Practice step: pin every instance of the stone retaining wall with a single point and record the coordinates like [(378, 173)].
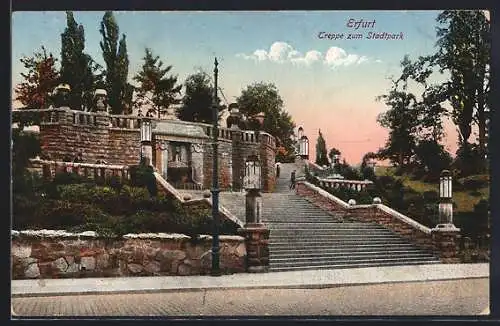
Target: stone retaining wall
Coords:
[(116, 140), (57, 254)]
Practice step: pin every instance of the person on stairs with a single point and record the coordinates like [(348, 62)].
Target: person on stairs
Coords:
[(292, 180), (277, 170)]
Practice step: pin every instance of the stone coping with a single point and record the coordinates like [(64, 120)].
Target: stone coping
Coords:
[(361, 182), (177, 194), (326, 194), (403, 218), (382, 207), (83, 165), (50, 234)]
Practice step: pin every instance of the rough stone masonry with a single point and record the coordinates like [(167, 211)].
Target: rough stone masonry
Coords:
[(59, 254)]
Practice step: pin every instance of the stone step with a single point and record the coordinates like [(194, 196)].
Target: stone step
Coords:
[(327, 226), (336, 237), (292, 220), (346, 246), (335, 227), (334, 243), (278, 257), (328, 223), (349, 265), (346, 250), (344, 261)]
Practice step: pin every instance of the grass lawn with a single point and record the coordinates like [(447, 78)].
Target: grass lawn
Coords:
[(464, 200)]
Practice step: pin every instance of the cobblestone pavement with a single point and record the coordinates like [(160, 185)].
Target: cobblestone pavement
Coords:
[(462, 297)]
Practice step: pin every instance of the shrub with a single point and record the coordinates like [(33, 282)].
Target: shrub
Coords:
[(115, 183), (475, 182), (65, 178), (142, 175), (430, 196)]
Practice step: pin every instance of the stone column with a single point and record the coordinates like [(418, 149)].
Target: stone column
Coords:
[(147, 152), (253, 206), (237, 158), (164, 158), (445, 242), (197, 162), (257, 244)]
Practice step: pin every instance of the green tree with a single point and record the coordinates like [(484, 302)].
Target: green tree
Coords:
[(264, 97), (78, 69), (197, 100), (321, 153), (464, 43), (39, 81), (432, 157), (402, 121), (333, 151), (463, 53), (156, 89), (116, 59)]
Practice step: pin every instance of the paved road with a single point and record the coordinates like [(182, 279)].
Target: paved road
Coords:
[(462, 297)]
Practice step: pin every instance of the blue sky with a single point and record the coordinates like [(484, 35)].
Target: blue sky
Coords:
[(326, 84)]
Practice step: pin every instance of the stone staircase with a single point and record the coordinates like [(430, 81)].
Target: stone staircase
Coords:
[(303, 236)]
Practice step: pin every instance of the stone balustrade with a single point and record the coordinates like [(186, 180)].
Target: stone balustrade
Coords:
[(342, 183), (224, 133), (93, 171), (125, 121), (443, 242), (84, 118), (60, 254)]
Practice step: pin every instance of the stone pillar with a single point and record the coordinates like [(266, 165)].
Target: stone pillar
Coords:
[(253, 206), (445, 240), (164, 158), (147, 152), (257, 245), (237, 159), (197, 162)]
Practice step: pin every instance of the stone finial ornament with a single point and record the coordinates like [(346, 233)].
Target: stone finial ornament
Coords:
[(61, 95), (100, 96)]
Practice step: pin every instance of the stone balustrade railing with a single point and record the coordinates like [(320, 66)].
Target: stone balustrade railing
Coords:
[(94, 171), (224, 133), (85, 118), (342, 183), (125, 121)]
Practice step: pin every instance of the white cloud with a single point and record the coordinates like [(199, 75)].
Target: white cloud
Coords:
[(282, 52), (279, 51), (310, 57), (336, 56)]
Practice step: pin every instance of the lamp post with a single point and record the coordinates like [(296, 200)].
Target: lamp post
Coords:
[(215, 180), (303, 145), (255, 232), (146, 135), (445, 196), (252, 184)]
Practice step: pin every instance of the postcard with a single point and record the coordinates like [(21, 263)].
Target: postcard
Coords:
[(250, 163)]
